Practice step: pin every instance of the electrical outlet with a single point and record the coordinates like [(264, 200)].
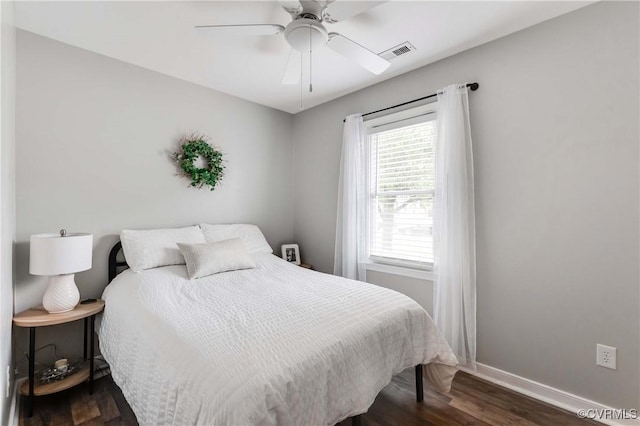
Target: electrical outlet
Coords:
[(606, 356)]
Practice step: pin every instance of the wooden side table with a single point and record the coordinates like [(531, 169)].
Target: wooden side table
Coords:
[(39, 317)]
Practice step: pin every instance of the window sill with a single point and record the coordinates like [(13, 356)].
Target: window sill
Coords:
[(400, 270)]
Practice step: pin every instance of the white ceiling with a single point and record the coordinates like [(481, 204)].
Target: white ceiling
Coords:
[(160, 36)]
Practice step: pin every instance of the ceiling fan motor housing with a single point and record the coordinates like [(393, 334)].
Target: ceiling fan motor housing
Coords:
[(300, 30)]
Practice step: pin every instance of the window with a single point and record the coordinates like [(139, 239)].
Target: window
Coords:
[(401, 174)]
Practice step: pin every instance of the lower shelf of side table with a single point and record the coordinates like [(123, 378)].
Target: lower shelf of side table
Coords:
[(82, 375)]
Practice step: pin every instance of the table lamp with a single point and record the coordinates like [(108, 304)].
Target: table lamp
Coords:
[(60, 256)]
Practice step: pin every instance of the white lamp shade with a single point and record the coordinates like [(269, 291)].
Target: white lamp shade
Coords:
[(51, 254)]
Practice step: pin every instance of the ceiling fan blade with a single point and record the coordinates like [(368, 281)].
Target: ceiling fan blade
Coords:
[(340, 10), (293, 68), (292, 7), (240, 30), (315, 7), (273, 45), (360, 54)]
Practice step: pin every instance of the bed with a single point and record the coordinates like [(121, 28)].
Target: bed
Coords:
[(276, 344)]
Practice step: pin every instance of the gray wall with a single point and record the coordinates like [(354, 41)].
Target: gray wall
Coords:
[(94, 137), (555, 128), (555, 132), (7, 197)]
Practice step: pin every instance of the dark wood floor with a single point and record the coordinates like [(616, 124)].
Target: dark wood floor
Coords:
[(471, 402)]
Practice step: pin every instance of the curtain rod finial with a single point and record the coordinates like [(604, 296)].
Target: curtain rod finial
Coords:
[(474, 86)]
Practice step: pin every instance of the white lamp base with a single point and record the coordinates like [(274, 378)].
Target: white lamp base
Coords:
[(62, 295)]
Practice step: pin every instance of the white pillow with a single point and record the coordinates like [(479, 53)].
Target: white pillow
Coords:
[(250, 235), (157, 247), (212, 258)]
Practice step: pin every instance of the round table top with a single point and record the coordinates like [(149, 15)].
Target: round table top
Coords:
[(39, 317)]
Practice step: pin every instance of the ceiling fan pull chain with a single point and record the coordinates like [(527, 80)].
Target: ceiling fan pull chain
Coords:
[(310, 67), (301, 83)]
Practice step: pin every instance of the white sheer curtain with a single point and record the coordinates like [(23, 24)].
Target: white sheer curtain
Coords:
[(454, 226), (351, 223)]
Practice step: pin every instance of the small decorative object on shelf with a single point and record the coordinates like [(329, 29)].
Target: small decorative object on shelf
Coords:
[(291, 253), (61, 369), (192, 148)]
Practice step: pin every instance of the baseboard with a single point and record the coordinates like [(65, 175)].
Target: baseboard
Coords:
[(14, 411), (545, 393)]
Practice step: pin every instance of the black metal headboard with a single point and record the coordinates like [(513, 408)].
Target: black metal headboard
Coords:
[(114, 263)]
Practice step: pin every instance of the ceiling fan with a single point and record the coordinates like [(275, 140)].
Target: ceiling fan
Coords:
[(307, 32)]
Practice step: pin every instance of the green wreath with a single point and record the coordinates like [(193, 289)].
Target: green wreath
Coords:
[(192, 147)]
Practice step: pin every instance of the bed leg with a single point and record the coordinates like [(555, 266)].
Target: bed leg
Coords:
[(356, 420), (419, 388)]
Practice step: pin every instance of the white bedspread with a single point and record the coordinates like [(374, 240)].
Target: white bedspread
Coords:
[(278, 344)]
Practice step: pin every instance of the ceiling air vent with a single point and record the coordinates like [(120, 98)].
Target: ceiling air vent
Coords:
[(395, 51)]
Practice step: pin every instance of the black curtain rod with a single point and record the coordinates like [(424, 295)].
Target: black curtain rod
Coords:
[(472, 86)]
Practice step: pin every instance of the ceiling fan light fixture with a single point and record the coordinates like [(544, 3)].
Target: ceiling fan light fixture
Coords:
[(299, 31)]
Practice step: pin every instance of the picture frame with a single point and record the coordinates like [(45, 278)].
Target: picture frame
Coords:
[(291, 253)]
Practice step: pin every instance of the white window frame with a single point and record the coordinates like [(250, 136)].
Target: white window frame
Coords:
[(395, 266)]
